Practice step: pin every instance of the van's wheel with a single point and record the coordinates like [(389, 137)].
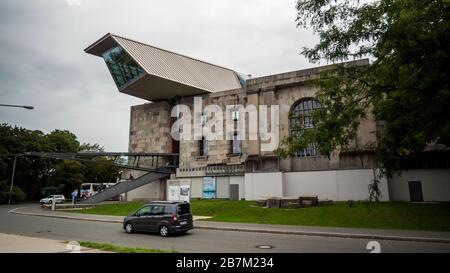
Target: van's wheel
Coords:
[(129, 228), (164, 231)]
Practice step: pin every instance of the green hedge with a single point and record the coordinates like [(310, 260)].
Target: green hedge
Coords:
[(17, 196)]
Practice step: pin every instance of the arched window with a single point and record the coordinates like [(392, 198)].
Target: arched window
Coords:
[(300, 117)]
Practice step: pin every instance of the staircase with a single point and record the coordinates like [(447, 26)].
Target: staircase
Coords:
[(126, 186), (157, 166)]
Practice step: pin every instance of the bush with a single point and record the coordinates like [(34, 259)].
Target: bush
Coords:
[(17, 195), (46, 191)]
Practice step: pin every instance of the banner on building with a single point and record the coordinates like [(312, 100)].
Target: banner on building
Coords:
[(173, 190), (209, 187), (185, 192), (179, 190)]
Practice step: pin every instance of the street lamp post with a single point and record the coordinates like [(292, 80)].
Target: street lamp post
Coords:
[(15, 156), (20, 106), (12, 178)]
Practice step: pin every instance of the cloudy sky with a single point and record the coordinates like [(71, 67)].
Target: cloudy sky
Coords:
[(42, 62)]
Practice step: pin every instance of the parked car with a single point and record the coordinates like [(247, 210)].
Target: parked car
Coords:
[(59, 198), (164, 217)]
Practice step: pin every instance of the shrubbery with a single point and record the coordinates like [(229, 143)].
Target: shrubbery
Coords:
[(17, 195)]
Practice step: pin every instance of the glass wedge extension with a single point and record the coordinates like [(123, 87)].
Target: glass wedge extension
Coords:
[(122, 67)]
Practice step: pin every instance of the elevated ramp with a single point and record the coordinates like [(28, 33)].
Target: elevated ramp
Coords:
[(125, 186)]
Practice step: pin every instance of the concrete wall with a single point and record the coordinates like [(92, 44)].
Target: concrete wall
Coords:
[(223, 187), (239, 180), (196, 187), (435, 184), (150, 192), (263, 185), (334, 185)]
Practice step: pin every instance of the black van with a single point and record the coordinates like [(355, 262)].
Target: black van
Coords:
[(165, 217)]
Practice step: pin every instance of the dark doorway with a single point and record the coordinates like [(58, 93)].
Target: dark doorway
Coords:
[(415, 191), (234, 192), (175, 146)]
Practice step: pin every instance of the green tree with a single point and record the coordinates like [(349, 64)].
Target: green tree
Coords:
[(63, 141), (70, 174), (102, 170), (30, 172), (17, 195), (87, 147), (406, 86), (36, 176)]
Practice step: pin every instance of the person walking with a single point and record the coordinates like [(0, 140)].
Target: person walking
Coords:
[(131, 177), (74, 196)]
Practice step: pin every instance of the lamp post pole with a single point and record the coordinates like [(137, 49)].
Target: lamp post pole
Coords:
[(12, 179), (15, 156)]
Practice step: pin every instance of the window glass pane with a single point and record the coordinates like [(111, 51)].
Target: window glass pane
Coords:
[(236, 144), (157, 210), (203, 119), (300, 118), (144, 211), (168, 210), (184, 209), (122, 67), (203, 146), (235, 115)]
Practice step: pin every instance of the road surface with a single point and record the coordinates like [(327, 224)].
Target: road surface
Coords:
[(199, 240)]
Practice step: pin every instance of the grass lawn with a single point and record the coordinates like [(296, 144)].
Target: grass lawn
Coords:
[(120, 209), (122, 249), (387, 215)]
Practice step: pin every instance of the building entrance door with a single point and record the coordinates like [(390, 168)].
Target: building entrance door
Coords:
[(415, 191), (234, 192)]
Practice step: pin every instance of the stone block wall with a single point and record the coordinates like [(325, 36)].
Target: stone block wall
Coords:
[(150, 128), (218, 150)]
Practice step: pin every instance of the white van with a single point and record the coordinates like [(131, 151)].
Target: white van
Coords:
[(89, 189)]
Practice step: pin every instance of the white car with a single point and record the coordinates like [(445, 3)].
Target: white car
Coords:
[(59, 198)]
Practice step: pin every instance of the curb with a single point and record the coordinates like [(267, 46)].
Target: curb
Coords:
[(257, 230), (335, 235), (13, 211)]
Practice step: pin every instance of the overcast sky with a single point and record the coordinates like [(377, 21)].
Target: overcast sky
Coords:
[(42, 62)]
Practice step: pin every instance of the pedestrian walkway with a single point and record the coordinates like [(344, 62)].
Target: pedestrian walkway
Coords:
[(375, 234), (22, 244)]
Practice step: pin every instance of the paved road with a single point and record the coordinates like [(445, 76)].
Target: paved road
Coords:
[(195, 240)]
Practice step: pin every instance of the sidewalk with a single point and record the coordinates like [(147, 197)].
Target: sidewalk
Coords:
[(22, 244), (371, 234)]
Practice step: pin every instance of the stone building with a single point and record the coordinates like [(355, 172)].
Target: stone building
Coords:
[(242, 167)]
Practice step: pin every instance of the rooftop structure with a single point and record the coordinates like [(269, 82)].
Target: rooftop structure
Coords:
[(154, 74)]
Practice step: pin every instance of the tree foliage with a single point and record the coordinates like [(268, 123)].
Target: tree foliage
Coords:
[(406, 86), (41, 176)]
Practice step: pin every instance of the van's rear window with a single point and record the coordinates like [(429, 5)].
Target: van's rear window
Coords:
[(184, 209)]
